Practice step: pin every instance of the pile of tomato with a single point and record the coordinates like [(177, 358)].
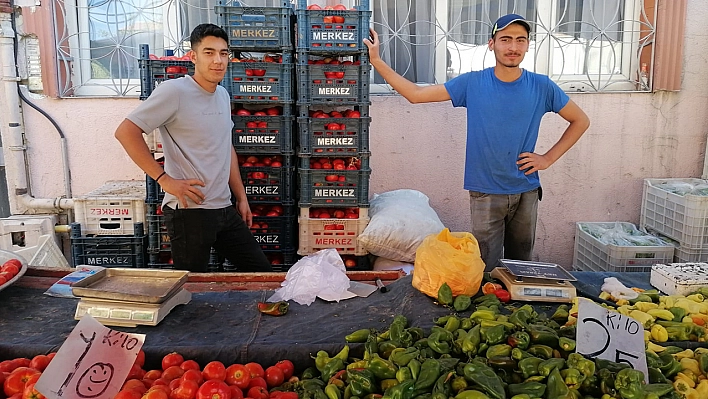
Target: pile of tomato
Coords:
[(18, 376), (9, 270)]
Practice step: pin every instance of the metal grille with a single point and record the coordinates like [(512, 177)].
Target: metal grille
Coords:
[(584, 45)]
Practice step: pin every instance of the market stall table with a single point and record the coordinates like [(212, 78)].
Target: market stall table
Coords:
[(226, 326)]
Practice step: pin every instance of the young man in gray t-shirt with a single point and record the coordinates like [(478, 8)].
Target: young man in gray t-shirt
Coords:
[(201, 167)]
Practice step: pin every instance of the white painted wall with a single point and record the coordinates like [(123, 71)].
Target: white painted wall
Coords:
[(632, 137)]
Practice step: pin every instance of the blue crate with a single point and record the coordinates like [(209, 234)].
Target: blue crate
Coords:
[(318, 137), (269, 185), (257, 28), (109, 251), (274, 136), (335, 85), (267, 82), (317, 31)]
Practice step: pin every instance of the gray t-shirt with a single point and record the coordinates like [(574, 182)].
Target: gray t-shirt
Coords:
[(195, 127)]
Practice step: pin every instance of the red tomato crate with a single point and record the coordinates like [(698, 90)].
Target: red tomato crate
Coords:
[(341, 234), (333, 136), (335, 84), (332, 31), (280, 260), (263, 134), (154, 72), (330, 187), (277, 231), (163, 260), (158, 239), (268, 185), (258, 28), (260, 82)]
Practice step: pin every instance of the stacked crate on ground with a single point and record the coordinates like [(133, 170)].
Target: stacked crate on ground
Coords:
[(332, 31), (595, 250), (157, 69), (268, 25), (112, 209), (333, 79), (109, 250), (339, 228), (678, 209)]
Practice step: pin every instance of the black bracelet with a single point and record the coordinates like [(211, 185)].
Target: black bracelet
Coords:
[(158, 177)]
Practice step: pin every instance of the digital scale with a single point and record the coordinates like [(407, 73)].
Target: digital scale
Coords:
[(535, 281), (130, 297)]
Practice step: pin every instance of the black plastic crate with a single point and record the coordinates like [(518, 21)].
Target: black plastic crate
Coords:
[(280, 260), (306, 109), (257, 28), (265, 184), (153, 191), (260, 82), (333, 136), (333, 31), (358, 263), (275, 232), (109, 251), (264, 134), (163, 260), (348, 188), (154, 72), (333, 84), (158, 239)]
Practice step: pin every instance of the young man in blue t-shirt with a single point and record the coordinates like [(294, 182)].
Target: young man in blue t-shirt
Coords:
[(505, 105)]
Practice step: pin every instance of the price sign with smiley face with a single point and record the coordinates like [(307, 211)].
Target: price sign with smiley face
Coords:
[(92, 363)]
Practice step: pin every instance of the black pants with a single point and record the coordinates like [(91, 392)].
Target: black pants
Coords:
[(193, 232)]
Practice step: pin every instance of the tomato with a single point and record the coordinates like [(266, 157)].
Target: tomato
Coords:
[(15, 262), (39, 362), (236, 392), (214, 389), (350, 263), (489, 287), (128, 394), (340, 7), (140, 359), (354, 114), (11, 268), (156, 394), (21, 362), (16, 381), (136, 372), (29, 392), (238, 375), (7, 366), (338, 19), (186, 390), (287, 367), (172, 373), (503, 295), (153, 374), (258, 393), (243, 112), (135, 385), (174, 384), (172, 359), (214, 371), (257, 382), (164, 388), (274, 376), (314, 7), (173, 69), (194, 375)]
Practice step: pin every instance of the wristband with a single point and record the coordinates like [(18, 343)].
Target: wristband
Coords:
[(158, 177)]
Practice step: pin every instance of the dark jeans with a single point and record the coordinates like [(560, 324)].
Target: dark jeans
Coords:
[(504, 225), (193, 232)]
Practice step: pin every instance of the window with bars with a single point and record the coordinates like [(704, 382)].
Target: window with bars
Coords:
[(583, 45)]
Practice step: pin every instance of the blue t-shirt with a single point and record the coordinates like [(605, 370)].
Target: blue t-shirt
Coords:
[(503, 119)]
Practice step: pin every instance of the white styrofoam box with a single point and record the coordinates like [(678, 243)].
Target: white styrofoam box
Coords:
[(591, 254), (46, 254), (679, 278), (25, 232), (683, 218), (112, 209)]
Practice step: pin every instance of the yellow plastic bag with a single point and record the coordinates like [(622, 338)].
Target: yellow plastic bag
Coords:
[(451, 258)]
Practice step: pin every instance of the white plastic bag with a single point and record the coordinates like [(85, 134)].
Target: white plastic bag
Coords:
[(400, 220), (618, 290), (320, 274)]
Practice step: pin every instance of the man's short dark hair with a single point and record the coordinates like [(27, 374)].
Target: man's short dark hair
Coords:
[(203, 30)]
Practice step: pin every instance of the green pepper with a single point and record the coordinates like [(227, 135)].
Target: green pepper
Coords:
[(542, 351), (542, 335), (653, 360), (566, 344), (640, 298), (656, 377), (591, 386), (311, 384), (421, 343), (577, 361), (343, 354), (521, 396), (679, 313), (607, 381), (386, 348), (572, 378), (533, 389), (703, 362), (529, 366), (361, 381), (403, 390), (488, 298), (429, 374), (401, 357), (485, 378), (321, 360), (439, 340), (482, 349), (466, 323), (416, 333), (471, 394), (629, 383), (447, 363), (658, 389), (310, 372), (427, 353), (443, 385), (672, 350), (471, 341), (609, 365), (561, 314), (445, 295), (403, 374), (493, 335), (521, 316), (668, 363), (674, 368), (440, 321), (546, 367), (518, 354), (389, 383), (371, 346), (556, 388), (458, 384), (519, 339), (508, 327), (482, 314), (453, 323), (679, 333), (332, 367), (332, 392), (382, 368), (398, 331), (567, 331), (358, 336), (502, 362), (414, 366), (498, 350), (462, 303)]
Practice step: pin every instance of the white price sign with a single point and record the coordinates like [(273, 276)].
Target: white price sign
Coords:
[(92, 363), (611, 336)]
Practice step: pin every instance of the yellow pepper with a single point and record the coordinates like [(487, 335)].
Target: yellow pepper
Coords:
[(682, 378), (702, 388), (624, 310), (689, 305), (685, 353), (605, 295), (692, 394), (622, 302), (691, 364), (704, 307), (644, 318), (700, 351), (654, 347), (646, 306), (660, 314), (696, 298), (647, 337), (659, 333), (681, 386)]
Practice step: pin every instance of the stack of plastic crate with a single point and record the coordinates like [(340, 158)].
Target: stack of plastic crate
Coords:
[(260, 82), (677, 209), (333, 119)]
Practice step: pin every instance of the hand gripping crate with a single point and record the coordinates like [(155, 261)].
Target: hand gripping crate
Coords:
[(257, 28), (591, 254), (342, 234), (112, 209), (683, 218), (332, 31), (109, 251), (260, 82), (333, 84)]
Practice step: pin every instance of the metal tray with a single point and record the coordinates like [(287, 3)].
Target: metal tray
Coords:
[(540, 270), (131, 285)]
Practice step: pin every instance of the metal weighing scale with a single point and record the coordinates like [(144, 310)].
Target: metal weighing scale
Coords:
[(131, 297), (535, 281)]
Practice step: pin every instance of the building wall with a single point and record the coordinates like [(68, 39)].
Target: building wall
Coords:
[(632, 137)]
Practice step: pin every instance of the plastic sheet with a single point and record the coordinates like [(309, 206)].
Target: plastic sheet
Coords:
[(622, 234)]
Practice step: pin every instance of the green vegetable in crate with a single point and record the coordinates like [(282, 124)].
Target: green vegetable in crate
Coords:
[(502, 362), (445, 295), (414, 365), (607, 381), (471, 341), (658, 389), (629, 383), (462, 303), (542, 335), (466, 323), (321, 360), (483, 314), (382, 368), (577, 361), (556, 388), (440, 339), (521, 316), (529, 366), (453, 323), (429, 374), (401, 357), (518, 354), (679, 313), (386, 348), (358, 336), (485, 378), (519, 339), (487, 300), (416, 333), (656, 376), (533, 389), (546, 367), (361, 381), (447, 363), (613, 367), (508, 327)]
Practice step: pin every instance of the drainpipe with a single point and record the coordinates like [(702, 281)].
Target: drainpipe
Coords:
[(12, 130)]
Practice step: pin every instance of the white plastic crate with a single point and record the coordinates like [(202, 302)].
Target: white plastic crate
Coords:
[(112, 209), (679, 278), (19, 232), (592, 254), (683, 218), (687, 255), (46, 254), (341, 234)]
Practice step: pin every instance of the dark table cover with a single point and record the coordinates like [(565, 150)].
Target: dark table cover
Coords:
[(226, 326)]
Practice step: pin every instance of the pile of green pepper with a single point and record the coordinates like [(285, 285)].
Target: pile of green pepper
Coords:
[(523, 355)]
